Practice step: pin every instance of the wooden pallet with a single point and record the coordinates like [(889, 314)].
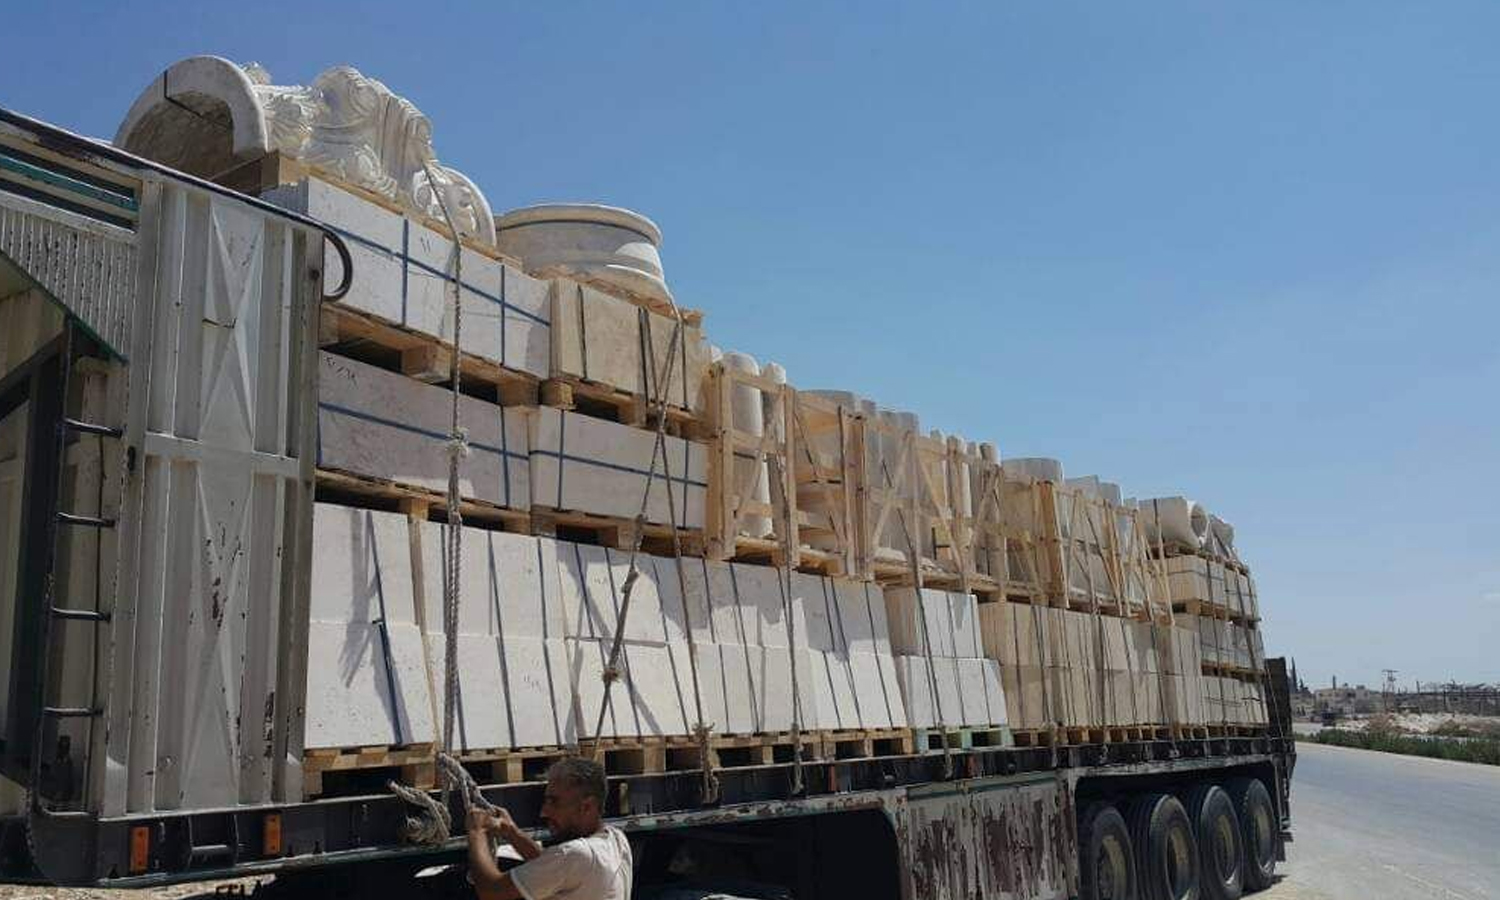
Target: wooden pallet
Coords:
[(1230, 670), (1033, 737), (1073, 736), (345, 770), (1212, 611), (1175, 549), (768, 551), (613, 532), (1125, 734), (930, 740), (865, 743), (362, 491), (367, 338), (602, 401)]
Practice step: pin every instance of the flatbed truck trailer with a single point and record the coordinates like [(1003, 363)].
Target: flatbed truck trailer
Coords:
[(151, 738)]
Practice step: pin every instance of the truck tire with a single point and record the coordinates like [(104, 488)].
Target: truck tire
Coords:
[(1106, 860), (1260, 831), (1166, 849), (1221, 859)]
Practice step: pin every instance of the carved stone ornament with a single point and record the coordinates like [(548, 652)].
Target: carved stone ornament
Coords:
[(207, 116)]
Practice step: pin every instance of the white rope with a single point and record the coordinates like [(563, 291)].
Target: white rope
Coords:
[(702, 731), (434, 825), (611, 673), (916, 576)]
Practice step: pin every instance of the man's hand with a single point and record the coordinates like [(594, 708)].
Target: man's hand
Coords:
[(502, 825), (497, 822), (481, 821)]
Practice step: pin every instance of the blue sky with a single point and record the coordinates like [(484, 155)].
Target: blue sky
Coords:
[(1245, 252)]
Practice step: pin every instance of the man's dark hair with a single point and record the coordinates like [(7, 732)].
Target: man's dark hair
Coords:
[(583, 774)]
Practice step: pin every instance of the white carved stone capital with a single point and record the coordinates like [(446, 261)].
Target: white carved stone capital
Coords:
[(206, 115)]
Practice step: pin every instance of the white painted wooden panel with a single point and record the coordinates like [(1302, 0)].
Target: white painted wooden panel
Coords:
[(583, 464), (385, 425), (193, 711)]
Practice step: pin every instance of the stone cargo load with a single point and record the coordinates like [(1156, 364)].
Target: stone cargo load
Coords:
[(668, 553)]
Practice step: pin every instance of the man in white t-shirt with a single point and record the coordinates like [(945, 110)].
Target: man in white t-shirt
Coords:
[(592, 862)]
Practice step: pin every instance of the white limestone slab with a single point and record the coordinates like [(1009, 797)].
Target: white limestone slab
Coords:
[(645, 620), (366, 685), (712, 684), (833, 690), (525, 332), (583, 464), (773, 697), (952, 621), (506, 314), (726, 624), (362, 570), (587, 591), (758, 591), (697, 602), (852, 606), (740, 706), (871, 691), (366, 682), (403, 273), (385, 425), (540, 692), (813, 594), (586, 659), (660, 689), (1027, 695), (373, 235), (604, 339), (482, 707), (981, 692), (912, 672)]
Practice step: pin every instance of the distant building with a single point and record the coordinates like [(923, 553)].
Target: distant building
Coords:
[(1347, 700)]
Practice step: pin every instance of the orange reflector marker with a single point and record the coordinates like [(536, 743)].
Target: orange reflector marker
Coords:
[(140, 849), (270, 835)]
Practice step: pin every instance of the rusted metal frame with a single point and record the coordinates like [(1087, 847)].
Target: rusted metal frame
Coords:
[(364, 828)]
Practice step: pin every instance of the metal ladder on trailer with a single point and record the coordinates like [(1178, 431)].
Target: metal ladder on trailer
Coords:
[(66, 427)]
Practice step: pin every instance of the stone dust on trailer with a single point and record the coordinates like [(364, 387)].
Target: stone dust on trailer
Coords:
[(341, 505)]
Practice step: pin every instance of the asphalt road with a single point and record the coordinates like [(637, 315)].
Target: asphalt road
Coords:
[(1376, 826)]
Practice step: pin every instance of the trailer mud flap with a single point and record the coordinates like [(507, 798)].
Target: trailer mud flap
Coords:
[(994, 838)]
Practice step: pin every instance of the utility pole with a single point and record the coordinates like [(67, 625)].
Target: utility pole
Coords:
[(1390, 687)]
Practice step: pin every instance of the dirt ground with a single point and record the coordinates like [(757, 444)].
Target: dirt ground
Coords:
[(227, 889)]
